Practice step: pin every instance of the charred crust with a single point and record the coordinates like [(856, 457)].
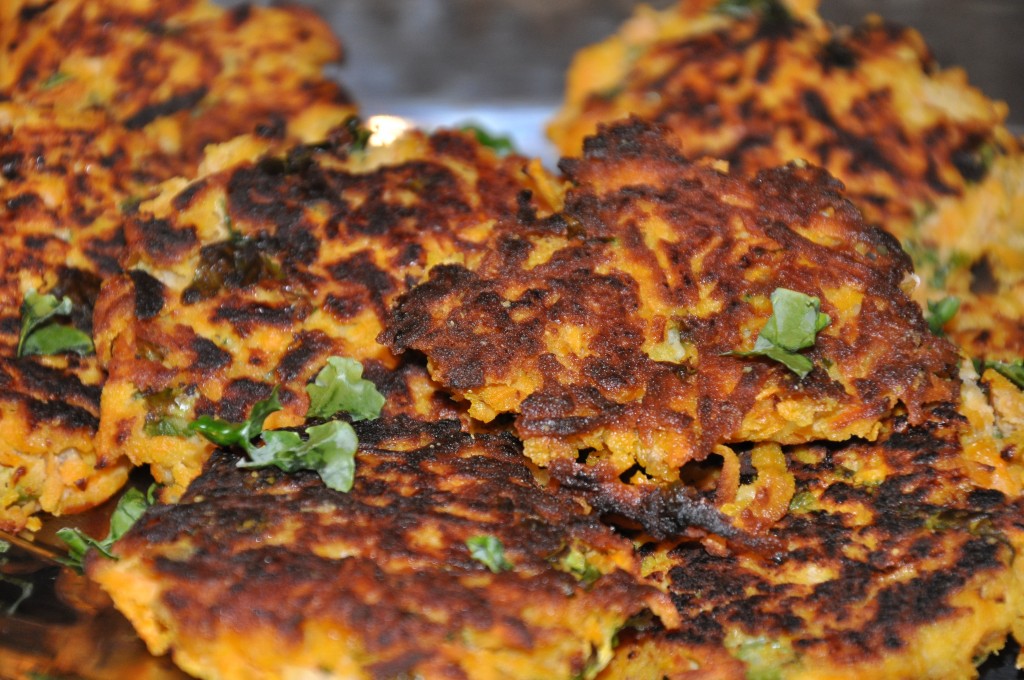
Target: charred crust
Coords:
[(82, 288), (298, 360), (182, 101), (452, 485), (149, 294), (208, 356), (239, 396), (161, 240)]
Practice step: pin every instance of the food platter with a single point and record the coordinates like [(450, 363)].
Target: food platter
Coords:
[(66, 628)]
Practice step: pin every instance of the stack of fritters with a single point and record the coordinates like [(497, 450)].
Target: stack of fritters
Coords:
[(574, 371), (102, 101), (248, 278), (260, 574), (760, 84), (813, 557)]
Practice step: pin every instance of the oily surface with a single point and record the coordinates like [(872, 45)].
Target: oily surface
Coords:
[(378, 582)]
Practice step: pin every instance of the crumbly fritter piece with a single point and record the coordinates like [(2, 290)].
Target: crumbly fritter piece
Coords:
[(260, 574), (252, 275), (892, 562), (920, 151), (64, 178), (607, 329), (184, 73)]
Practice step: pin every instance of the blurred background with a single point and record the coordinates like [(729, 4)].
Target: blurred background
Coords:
[(504, 60)]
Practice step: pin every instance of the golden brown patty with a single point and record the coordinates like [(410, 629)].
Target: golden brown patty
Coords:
[(919, 150), (890, 563), (96, 112), (185, 74), (260, 574), (607, 329), (252, 275)]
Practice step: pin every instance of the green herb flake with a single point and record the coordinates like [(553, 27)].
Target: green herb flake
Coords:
[(358, 134), (327, 449), (940, 312), (488, 551), (224, 433), (340, 386), (1011, 370), (803, 502), (794, 324), (40, 335), (500, 144), (770, 10), (130, 204), (575, 563), (56, 78), (129, 509)]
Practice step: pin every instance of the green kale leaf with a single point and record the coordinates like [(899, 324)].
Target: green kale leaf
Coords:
[(794, 324)]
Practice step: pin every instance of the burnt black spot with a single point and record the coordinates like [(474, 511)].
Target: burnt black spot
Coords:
[(62, 413), (149, 294), (361, 269), (837, 54), (82, 288), (245, 316), (208, 356), (54, 385), (174, 104), (185, 197), (10, 164), (817, 108), (23, 200), (309, 346), (239, 396), (161, 240), (983, 278), (30, 12)]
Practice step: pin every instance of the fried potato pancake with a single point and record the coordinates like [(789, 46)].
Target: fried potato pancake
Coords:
[(92, 120), (184, 73), (265, 575), (919, 150), (252, 275), (610, 329), (892, 562)]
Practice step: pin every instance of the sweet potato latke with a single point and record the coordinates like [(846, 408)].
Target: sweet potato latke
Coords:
[(250, 276), (759, 84), (259, 574), (101, 102), (893, 564), (612, 328)]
